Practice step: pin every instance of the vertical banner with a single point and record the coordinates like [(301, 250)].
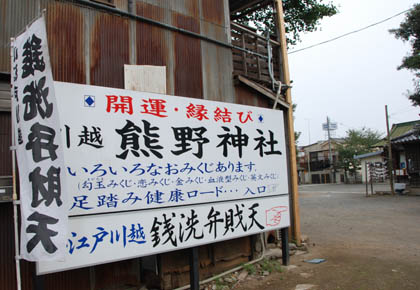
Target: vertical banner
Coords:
[(39, 147)]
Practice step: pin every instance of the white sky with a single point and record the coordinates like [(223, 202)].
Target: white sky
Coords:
[(353, 78)]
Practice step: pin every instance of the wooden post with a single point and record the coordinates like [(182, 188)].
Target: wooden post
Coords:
[(244, 53), (291, 131), (371, 185), (390, 165)]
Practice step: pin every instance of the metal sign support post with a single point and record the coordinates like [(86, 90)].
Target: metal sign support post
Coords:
[(285, 246), (16, 202), (194, 264)]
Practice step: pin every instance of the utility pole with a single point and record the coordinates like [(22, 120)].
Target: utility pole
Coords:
[(390, 165), (329, 150), (293, 167)]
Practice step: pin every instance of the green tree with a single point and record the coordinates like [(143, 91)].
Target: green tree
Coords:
[(299, 16), (409, 30), (356, 142)]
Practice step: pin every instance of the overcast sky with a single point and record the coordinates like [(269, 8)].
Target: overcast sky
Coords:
[(353, 78)]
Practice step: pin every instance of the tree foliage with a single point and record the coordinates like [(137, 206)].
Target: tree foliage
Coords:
[(409, 30), (355, 143), (299, 16)]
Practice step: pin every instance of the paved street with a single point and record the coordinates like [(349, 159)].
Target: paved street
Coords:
[(368, 243)]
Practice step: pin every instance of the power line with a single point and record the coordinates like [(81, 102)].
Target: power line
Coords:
[(352, 32)]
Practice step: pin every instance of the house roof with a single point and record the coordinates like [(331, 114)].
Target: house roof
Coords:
[(398, 130), (333, 141)]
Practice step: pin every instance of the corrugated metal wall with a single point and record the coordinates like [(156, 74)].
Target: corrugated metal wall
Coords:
[(5, 143)]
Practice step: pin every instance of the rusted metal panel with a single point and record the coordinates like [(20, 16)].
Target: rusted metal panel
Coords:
[(7, 254), (68, 280), (5, 143), (188, 74), (185, 7), (245, 95), (17, 14), (118, 274), (65, 28), (109, 49), (151, 42), (121, 4), (217, 73), (212, 11)]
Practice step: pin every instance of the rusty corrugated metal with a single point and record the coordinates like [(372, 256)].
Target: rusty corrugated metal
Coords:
[(68, 280), (118, 274), (121, 4), (65, 29), (185, 7), (7, 254), (151, 44), (18, 14), (5, 143), (109, 49), (211, 11), (187, 74)]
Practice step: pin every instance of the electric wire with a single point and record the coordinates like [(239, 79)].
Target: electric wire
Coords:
[(351, 32)]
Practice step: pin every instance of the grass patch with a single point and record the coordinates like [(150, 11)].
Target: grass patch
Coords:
[(271, 266), (250, 268)]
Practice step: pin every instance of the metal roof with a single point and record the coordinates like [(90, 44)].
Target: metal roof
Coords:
[(370, 154), (411, 136), (398, 130)]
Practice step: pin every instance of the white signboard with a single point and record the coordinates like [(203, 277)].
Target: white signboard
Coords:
[(149, 173), (127, 150), (333, 126), (124, 235), (39, 149)]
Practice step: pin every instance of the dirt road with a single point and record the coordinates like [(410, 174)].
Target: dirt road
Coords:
[(368, 243)]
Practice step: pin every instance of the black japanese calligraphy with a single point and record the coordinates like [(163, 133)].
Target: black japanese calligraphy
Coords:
[(48, 193), (42, 233), (41, 138), (263, 142), (32, 56), (35, 100), (184, 135), (238, 140), (92, 138)]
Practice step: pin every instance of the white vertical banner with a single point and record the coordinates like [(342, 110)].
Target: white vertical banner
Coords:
[(39, 148)]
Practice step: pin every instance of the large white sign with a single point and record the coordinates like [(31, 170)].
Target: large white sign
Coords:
[(108, 238), (39, 149), (149, 173), (127, 150)]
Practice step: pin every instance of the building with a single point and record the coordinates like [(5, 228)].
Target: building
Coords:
[(315, 165), (406, 148), (369, 159), (206, 56), (405, 155)]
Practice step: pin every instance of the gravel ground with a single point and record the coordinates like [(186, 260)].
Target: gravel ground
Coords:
[(368, 242)]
